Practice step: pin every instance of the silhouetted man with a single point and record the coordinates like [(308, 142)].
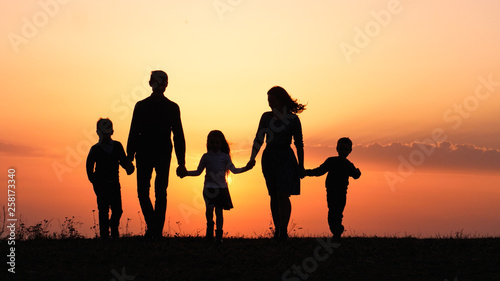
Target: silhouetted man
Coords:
[(149, 140)]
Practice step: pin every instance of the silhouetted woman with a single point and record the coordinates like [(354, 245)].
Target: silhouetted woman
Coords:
[(281, 170)]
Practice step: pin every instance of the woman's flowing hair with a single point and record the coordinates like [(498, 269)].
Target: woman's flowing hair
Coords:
[(292, 105)]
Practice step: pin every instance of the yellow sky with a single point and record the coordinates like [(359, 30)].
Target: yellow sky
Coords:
[(383, 71)]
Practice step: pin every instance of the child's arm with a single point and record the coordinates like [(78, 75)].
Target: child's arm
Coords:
[(234, 170), (355, 172), (197, 172), (317, 172), (125, 162)]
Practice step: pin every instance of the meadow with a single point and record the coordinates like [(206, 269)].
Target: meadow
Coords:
[(66, 255)]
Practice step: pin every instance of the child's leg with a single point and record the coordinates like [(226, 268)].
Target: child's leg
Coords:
[(116, 211), (219, 221), (336, 205), (103, 210), (209, 214)]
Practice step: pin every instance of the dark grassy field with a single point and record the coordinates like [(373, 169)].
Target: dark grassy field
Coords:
[(186, 258)]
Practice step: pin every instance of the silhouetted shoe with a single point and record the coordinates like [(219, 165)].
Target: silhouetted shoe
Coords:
[(104, 235), (336, 241), (114, 232), (218, 236), (276, 236), (149, 234), (283, 237), (210, 231)]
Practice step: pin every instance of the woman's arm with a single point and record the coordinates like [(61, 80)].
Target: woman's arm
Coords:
[(259, 139), (299, 145)]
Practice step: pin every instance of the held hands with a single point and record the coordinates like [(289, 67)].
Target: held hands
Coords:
[(250, 164), (130, 168), (181, 171), (302, 172)]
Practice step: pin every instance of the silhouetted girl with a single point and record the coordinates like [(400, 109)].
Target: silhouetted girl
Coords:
[(279, 165), (218, 163)]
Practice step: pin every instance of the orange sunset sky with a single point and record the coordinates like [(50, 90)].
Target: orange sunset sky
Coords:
[(414, 84)]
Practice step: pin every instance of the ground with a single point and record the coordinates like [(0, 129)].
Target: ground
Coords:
[(193, 258)]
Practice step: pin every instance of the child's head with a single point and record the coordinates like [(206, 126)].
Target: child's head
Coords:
[(216, 141), (344, 147), (104, 128)]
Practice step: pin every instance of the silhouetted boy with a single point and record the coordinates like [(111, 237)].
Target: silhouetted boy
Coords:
[(339, 170), (102, 171)]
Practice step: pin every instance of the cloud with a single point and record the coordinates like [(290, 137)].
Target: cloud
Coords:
[(441, 156), (20, 150)]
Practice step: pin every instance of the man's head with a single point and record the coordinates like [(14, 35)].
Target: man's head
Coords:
[(158, 81)]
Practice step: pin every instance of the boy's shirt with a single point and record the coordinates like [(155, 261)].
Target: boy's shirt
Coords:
[(339, 170), (106, 157)]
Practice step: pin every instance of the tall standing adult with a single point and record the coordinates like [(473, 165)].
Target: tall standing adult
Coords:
[(154, 120), (282, 170)]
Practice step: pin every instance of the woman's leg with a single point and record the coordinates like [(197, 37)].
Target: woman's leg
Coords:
[(281, 209), (275, 213), (285, 212)]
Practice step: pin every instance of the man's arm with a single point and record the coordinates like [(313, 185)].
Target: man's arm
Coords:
[(125, 162), (90, 165), (133, 135), (179, 141)]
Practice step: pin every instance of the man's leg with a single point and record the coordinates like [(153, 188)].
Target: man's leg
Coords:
[(144, 171), (162, 169)]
